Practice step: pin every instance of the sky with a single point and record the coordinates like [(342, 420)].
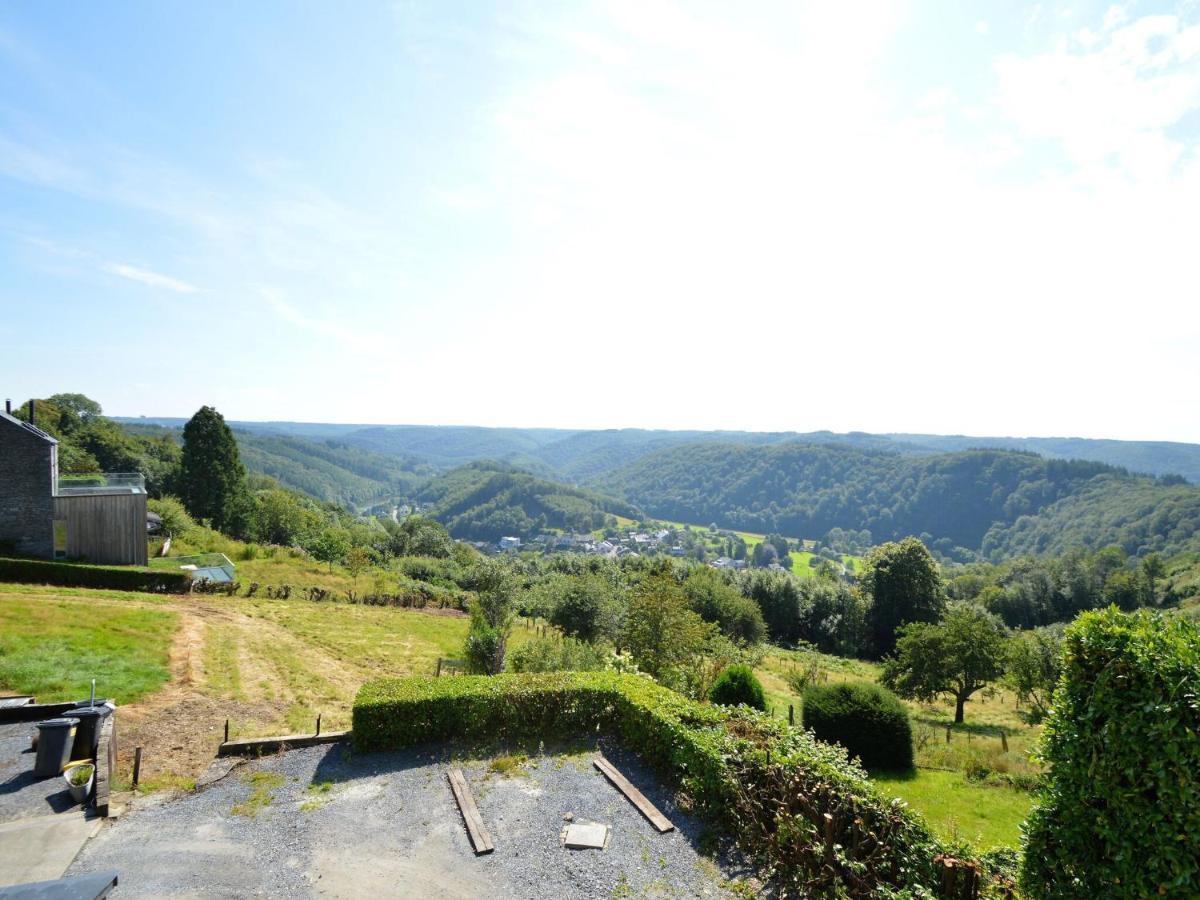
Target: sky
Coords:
[(967, 218)]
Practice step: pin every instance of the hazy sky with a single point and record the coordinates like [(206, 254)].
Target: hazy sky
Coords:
[(976, 218)]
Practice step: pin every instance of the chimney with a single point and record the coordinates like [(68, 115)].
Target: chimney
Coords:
[(8, 407), (31, 422)]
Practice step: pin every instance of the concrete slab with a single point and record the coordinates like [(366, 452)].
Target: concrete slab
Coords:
[(41, 849), (585, 836)]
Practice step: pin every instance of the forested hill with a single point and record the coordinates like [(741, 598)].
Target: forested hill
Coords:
[(581, 456), (487, 501), (998, 501), (324, 468)]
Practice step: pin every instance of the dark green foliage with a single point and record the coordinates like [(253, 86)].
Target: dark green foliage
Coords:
[(554, 654), (487, 501), (737, 684), (587, 607), (904, 583), (212, 480), (330, 470), (1138, 514), (1120, 803), (770, 785), (118, 578), (866, 719), (419, 536), (718, 600)]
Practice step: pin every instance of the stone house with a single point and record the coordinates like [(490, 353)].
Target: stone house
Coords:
[(100, 518)]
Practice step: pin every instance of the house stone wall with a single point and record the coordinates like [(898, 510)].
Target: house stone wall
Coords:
[(27, 465)]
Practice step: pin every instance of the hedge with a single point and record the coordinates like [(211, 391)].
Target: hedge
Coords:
[(119, 578), (817, 824), (1120, 802), (869, 721)]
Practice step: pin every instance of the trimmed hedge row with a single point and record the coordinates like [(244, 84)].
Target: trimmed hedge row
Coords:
[(118, 578), (816, 822), (1120, 800), (868, 720)]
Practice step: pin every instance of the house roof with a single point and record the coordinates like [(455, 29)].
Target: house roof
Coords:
[(32, 429)]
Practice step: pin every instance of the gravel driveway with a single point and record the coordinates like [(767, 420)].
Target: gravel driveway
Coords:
[(322, 822)]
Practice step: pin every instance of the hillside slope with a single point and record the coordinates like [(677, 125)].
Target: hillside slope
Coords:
[(954, 498), (486, 501)]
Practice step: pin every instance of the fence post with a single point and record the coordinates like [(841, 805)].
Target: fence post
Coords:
[(137, 766), (439, 671), (791, 714), (318, 723), (947, 734), (226, 731), (1004, 741)]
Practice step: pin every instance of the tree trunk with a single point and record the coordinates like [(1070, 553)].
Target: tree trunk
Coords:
[(958, 709)]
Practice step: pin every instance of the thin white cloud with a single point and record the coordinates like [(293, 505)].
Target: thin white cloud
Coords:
[(1109, 98), (151, 279)]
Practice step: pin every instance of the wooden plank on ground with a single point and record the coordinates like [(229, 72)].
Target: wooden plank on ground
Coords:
[(636, 797), (480, 839)]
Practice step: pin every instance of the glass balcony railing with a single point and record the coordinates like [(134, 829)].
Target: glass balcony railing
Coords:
[(101, 483)]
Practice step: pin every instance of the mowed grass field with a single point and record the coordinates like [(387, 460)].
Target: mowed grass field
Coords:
[(271, 666), (52, 646)]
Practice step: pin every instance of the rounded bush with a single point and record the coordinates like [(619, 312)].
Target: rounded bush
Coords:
[(866, 719), (737, 684)]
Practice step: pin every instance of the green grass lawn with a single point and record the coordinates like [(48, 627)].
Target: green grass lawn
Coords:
[(53, 648), (985, 816)]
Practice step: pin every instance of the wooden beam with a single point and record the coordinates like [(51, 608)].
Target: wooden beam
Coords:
[(636, 797), (480, 839), (259, 746)]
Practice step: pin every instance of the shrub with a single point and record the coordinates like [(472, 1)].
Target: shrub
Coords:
[(1120, 802), (118, 578), (551, 654), (770, 784), (735, 685), (866, 719)]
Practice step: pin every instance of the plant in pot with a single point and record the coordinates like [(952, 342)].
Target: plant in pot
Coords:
[(79, 780)]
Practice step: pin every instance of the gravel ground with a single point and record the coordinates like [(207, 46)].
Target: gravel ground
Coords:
[(322, 822), (21, 795)]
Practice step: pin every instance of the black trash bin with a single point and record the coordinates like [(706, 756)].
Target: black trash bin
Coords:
[(55, 739), (87, 735)]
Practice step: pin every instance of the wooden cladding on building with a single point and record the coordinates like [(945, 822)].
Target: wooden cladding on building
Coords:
[(105, 528)]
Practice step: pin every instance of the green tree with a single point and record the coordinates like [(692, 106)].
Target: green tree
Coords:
[(492, 613), (282, 517), (175, 519), (1153, 571), (662, 631), (905, 585), (716, 600), (420, 536), (358, 560), (330, 546), (587, 608), (957, 656), (1032, 666), (1123, 590), (212, 479)]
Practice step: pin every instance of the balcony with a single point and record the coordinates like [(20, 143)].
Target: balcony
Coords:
[(94, 483)]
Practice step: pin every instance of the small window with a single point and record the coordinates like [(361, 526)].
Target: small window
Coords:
[(60, 538)]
